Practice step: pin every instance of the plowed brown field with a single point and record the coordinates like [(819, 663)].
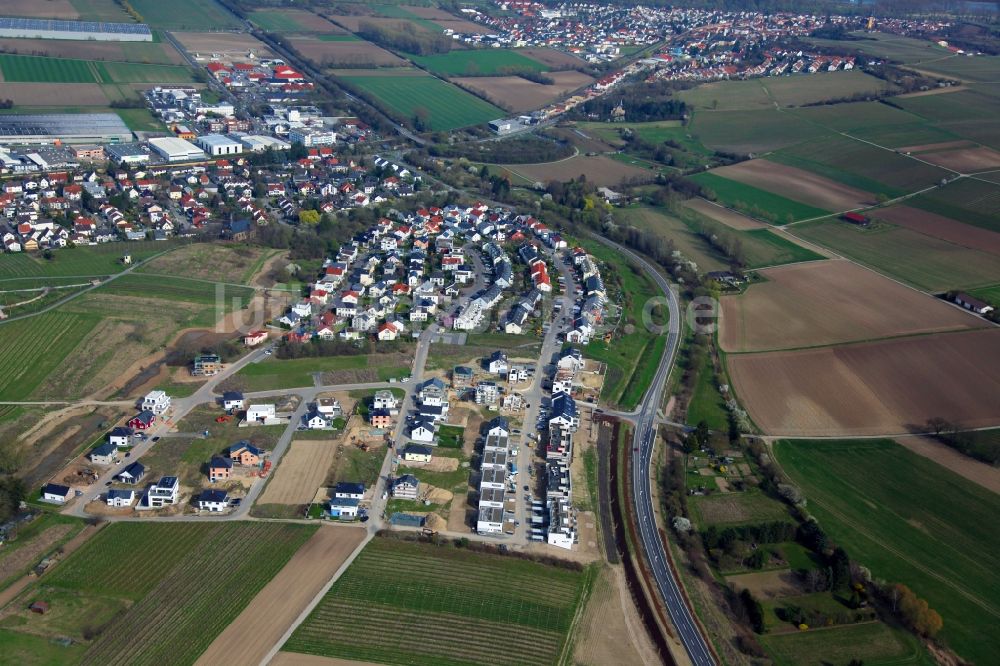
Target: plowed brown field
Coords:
[(262, 624), (941, 227), (53, 9), (965, 160), (552, 57), (830, 302), (873, 388), (345, 54), (520, 94), (798, 184), (300, 473), (54, 94)]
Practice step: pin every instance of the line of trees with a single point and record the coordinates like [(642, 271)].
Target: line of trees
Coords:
[(401, 36)]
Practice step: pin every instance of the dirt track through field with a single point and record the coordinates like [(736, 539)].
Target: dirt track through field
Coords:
[(878, 388), (301, 472), (798, 184), (256, 630), (937, 226), (610, 631), (979, 473), (830, 302)]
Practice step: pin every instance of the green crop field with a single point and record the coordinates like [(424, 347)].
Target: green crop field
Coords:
[(177, 289), (707, 403), (420, 604), (922, 261), (476, 62), (39, 69), (893, 47), (36, 69), (291, 373), (741, 196), (181, 583), (765, 93), (338, 38), (871, 643), (750, 506), (90, 261), (100, 10), (685, 239), (876, 122), (969, 200), (755, 131), (860, 165), (185, 15), (989, 294), (23, 366), (911, 521), (400, 12), (444, 106)]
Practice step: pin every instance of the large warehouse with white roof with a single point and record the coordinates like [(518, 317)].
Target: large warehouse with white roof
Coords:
[(63, 127), (173, 149), (31, 28)]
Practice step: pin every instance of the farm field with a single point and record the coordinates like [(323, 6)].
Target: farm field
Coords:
[(796, 184), (758, 202), (728, 217), (968, 113), (345, 53), (59, 332), (209, 571), (552, 57), (54, 9), (877, 122), (291, 373), (872, 388), (691, 245), (249, 638), (830, 302), (90, 261), (707, 403), (909, 521), (162, 53), (989, 294), (456, 606), (302, 470), (872, 643), (972, 201), (177, 289), (292, 20), (915, 258), (752, 131), (97, 10), (92, 97), (185, 15), (894, 47), (442, 19), (36, 69), (209, 261), (751, 506), (940, 227), (445, 106), (600, 170), (860, 165), (967, 158), (520, 94), (475, 62), (764, 93), (760, 247)]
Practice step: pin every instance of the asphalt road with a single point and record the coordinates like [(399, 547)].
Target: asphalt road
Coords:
[(642, 497)]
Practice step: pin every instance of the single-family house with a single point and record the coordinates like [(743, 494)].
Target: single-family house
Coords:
[(461, 376), (244, 453), (254, 338), (232, 401), (142, 421), (385, 400), (214, 500), (220, 469), (261, 414), (55, 493), (344, 508), (346, 489), (119, 498), (164, 492), (329, 407), (132, 474), (120, 437), (497, 363), (316, 421), (104, 454), (417, 453), (156, 401), (422, 430), (405, 487), (380, 418)]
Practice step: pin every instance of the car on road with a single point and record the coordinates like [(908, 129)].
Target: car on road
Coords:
[(527, 488), (267, 352), (156, 439), (107, 483)]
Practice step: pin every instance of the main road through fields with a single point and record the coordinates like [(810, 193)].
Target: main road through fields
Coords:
[(642, 497)]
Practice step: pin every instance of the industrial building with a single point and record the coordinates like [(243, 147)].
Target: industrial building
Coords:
[(64, 127), (505, 126), (31, 28), (173, 149), (217, 144), (311, 137), (258, 143), (127, 153)]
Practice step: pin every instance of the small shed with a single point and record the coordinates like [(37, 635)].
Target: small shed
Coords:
[(40, 607)]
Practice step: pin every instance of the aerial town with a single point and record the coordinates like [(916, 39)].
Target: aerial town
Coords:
[(499, 332)]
